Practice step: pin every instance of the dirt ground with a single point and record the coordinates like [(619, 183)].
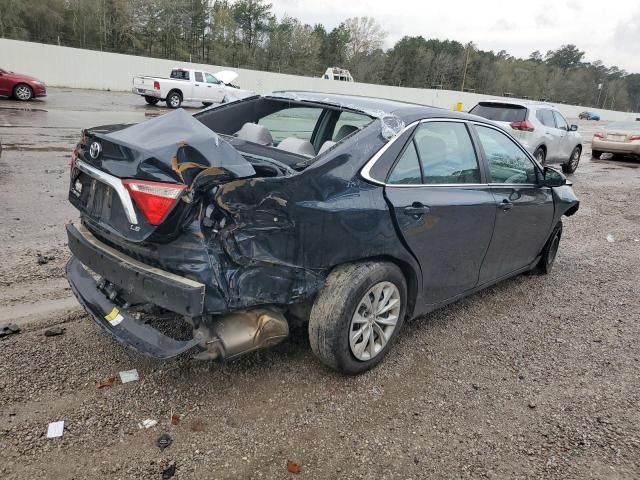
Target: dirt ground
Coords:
[(537, 377)]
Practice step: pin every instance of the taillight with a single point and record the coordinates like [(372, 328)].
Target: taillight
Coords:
[(634, 137), (73, 161), (599, 134), (154, 199), (156, 85), (525, 126)]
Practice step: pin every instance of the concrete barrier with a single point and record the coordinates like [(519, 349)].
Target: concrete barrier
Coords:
[(78, 68)]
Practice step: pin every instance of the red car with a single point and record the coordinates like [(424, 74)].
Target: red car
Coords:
[(20, 87)]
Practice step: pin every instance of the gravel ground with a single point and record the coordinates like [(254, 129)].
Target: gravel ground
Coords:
[(536, 377)]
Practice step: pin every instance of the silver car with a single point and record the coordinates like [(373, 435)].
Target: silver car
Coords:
[(539, 127)]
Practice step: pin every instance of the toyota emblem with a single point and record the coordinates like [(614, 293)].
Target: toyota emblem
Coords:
[(95, 150)]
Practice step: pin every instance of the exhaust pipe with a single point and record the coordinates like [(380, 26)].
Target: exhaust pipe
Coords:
[(235, 334)]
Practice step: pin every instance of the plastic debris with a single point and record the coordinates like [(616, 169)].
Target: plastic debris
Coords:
[(43, 259), (147, 423), (56, 429), (107, 382), (170, 471), (293, 467), (610, 238), (54, 331), (164, 441), (129, 376), (175, 419), (10, 329)]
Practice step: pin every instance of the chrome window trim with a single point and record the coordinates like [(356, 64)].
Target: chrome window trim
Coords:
[(366, 170), (116, 184)]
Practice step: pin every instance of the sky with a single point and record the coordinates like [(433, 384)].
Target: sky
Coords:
[(607, 30)]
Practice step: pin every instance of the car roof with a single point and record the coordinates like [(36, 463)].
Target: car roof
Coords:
[(373, 106)]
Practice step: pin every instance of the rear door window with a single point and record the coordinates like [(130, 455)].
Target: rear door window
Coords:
[(446, 153), (546, 118), (198, 76), (180, 74), (500, 112), (407, 169)]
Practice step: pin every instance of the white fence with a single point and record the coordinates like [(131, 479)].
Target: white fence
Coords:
[(77, 68)]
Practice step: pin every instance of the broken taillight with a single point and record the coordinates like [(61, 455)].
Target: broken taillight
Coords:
[(154, 199)]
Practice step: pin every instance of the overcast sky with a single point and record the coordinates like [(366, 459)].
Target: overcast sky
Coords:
[(608, 30)]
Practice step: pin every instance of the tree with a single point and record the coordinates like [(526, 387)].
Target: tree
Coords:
[(252, 17), (536, 57), (365, 36), (565, 57)]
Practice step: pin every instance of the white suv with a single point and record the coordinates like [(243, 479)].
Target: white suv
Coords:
[(539, 127)]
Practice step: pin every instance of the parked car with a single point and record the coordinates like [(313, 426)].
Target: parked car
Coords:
[(617, 137), (359, 214), (539, 127), (21, 87), (339, 74), (589, 116), (185, 84)]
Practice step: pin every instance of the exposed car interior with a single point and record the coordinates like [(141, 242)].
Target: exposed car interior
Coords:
[(303, 129)]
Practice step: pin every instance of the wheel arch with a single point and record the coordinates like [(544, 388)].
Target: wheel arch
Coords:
[(175, 90), (410, 276)]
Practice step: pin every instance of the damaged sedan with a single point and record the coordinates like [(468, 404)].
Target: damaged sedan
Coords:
[(212, 233)]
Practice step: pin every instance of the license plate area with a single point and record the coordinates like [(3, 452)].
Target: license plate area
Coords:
[(91, 196), (616, 138)]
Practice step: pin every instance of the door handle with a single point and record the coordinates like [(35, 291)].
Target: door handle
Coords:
[(416, 209), (506, 205)]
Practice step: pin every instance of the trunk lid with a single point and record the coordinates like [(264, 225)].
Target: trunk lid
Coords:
[(172, 153)]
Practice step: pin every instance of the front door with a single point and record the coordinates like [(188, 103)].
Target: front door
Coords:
[(524, 208), (442, 207), (215, 89), (565, 143)]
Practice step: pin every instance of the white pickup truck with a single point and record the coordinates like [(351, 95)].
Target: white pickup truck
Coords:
[(186, 84)]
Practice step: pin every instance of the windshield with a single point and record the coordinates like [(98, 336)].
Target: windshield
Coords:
[(624, 126)]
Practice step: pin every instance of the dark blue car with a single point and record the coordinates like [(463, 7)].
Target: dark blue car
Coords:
[(589, 116), (352, 214)]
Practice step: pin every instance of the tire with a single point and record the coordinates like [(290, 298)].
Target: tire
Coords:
[(207, 104), (596, 153), (22, 92), (549, 252), (174, 100), (572, 164), (151, 100), (540, 155), (333, 315)]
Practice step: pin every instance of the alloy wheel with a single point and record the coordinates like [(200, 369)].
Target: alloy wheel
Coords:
[(23, 92), (374, 320)]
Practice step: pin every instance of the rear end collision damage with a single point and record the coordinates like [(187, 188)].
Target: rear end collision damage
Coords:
[(235, 237)]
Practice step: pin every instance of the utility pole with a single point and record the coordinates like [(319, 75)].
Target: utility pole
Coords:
[(466, 63)]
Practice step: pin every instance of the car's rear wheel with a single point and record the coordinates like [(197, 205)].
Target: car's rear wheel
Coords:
[(23, 92), (540, 155), (357, 315), (549, 252), (174, 100), (596, 153), (151, 100), (572, 164)]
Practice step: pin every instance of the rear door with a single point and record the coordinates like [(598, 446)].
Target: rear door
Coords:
[(443, 208), (552, 136), (199, 87), (524, 208)]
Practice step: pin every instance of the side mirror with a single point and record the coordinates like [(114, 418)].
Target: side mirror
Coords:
[(573, 128), (553, 178)]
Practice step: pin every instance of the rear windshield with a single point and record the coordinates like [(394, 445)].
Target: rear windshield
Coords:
[(624, 126), (180, 74), (500, 112)]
